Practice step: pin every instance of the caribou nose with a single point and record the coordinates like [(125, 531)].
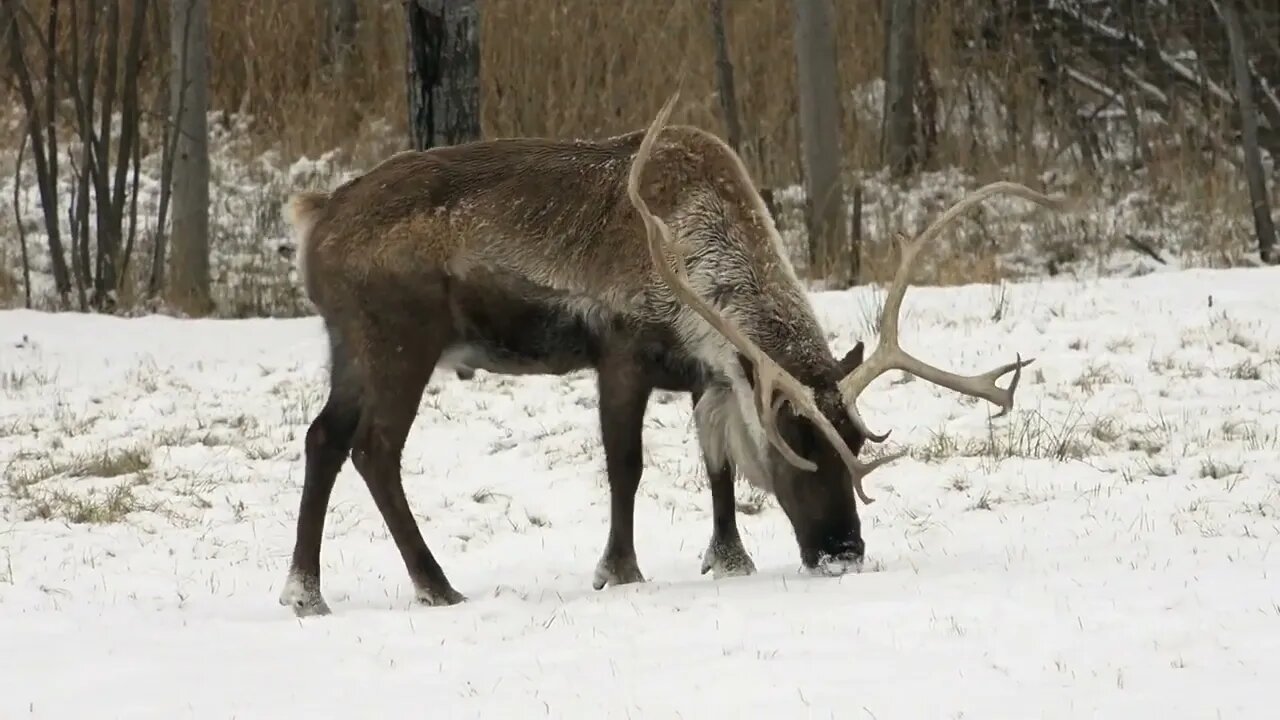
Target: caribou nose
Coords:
[(857, 549), (840, 558)]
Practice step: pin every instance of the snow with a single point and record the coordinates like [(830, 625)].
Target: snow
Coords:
[(1107, 550)]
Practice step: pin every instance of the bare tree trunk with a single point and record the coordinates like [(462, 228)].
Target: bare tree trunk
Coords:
[(1262, 222), (443, 72), (107, 246), (189, 262), (17, 222), (50, 117), (168, 150), (44, 146), (128, 152), (724, 78), (829, 251), (899, 146)]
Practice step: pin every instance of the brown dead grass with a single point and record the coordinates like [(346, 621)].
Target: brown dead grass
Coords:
[(586, 68)]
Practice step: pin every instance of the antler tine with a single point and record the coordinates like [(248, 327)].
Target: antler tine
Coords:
[(1004, 397), (771, 378), (889, 354), (857, 468)]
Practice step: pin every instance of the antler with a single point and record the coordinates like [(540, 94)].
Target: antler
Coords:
[(774, 385), (889, 355)]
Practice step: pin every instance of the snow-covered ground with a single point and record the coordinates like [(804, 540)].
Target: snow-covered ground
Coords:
[(1108, 550)]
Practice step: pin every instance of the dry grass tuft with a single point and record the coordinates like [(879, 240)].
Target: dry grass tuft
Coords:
[(1025, 434), (13, 381), (1097, 375), (1245, 370), (108, 464), (25, 482), (1218, 469), (25, 475), (95, 508)]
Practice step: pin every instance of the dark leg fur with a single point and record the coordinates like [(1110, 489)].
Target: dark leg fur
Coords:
[(624, 395), (725, 556), (368, 416), (327, 446), (400, 367)]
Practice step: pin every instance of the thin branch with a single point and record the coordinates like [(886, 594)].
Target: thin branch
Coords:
[(724, 77), (133, 213), (168, 152), (108, 223), (17, 217), (45, 179), (51, 102)]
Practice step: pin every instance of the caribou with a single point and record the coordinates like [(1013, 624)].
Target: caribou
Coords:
[(648, 257)]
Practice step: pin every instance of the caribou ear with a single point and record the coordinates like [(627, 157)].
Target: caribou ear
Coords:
[(851, 360)]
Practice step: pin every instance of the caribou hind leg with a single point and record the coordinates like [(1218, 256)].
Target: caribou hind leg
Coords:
[(327, 446), (401, 360), (624, 395), (725, 556)]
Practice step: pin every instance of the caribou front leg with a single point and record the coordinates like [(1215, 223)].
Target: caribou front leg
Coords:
[(624, 395), (725, 556)]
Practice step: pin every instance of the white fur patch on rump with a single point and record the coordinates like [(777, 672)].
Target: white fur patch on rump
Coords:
[(301, 212)]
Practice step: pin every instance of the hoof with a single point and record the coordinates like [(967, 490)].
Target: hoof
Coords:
[(614, 571), (440, 597), (727, 558), (302, 595)]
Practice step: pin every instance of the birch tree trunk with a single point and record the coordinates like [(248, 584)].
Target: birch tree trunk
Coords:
[(189, 93), (899, 135), (830, 255), (1254, 174)]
